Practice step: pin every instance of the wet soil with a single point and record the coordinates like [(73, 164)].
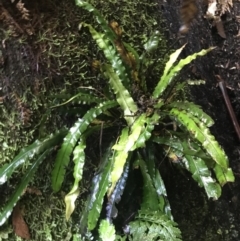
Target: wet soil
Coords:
[(199, 218)]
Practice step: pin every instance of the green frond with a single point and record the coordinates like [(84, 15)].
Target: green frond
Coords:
[(202, 175), (7, 209), (111, 54), (80, 98), (150, 197), (107, 231), (223, 175), (177, 142), (125, 144), (100, 185), (63, 156), (157, 181), (29, 152), (152, 42), (116, 195), (200, 132), (193, 109), (171, 71), (101, 21), (79, 160), (146, 134), (124, 99), (130, 49), (151, 225)]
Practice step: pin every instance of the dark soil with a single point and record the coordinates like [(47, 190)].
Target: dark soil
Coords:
[(198, 218)]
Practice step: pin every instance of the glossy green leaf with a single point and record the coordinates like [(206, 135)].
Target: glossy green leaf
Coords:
[(146, 134), (150, 198), (102, 22), (152, 42), (157, 180), (111, 54), (29, 152), (171, 71), (125, 144), (203, 135), (79, 160), (151, 225), (202, 175), (115, 197), (224, 175), (100, 185), (195, 110), (63, 156), (7, 209), (124, 99), (106, 231)]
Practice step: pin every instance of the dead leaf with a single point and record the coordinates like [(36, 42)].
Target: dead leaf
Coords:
[(19, 226)]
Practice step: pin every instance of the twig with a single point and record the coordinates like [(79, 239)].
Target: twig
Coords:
[(222, 87)]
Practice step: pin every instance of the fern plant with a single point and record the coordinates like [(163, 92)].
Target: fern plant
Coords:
[(144, 114)]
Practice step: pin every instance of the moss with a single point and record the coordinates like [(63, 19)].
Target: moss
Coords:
[(55, 59)]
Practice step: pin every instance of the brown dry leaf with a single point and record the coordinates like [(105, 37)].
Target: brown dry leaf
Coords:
[(33, 190), (19, 226), (219, 26)]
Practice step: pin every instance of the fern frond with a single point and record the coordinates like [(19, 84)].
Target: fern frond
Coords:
[(63, 156), (115, 197), (125, 144), (107, 231), (194, 110), (79, 160), (150, 198), (102, 22), (80, 98), (146, 134), (29, 152), (170, 72), (223, 175), (202, 175), (110, 53), (100, 183), (202, 134), (124, 99), (157, 181), (150, 226), (7, 210)]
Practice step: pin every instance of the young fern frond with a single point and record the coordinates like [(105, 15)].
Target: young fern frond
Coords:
[(63, 156), (107, 231), (79, 161), (150, 225), (7, 209), (29, 152), (170, 72)]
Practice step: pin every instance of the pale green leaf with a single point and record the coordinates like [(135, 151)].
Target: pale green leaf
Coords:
[(107, 231), (79, 160)]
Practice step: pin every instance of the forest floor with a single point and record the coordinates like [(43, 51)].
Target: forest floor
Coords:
[(42, 57)]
